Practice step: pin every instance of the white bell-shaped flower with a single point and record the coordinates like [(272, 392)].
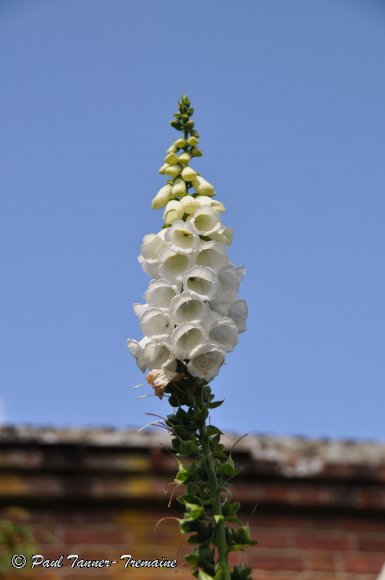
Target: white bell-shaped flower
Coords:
[(155, 323), (205, 221), (224, 333), (182, 237), (229, 278), (205, 361), (223, 234), (159, 355), (213, 203), (160, 293), (201, 282), (139, 309), (212, 255), (186, 337), (136, 349), (221, 308), (238, 312), (173, 265), (187, 308), (152, 246)]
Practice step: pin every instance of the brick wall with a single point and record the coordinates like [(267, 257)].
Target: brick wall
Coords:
[(317, 508)]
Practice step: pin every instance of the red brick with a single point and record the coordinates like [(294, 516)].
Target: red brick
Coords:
[(363, 564), (312, 541), (310, 495), (371, 497), (272, 539), (364, 524), (93, 536), (375, 543), (323, 562), (277, 561)]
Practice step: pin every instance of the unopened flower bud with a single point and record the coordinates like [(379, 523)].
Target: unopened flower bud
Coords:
[(173, 212), (179, 143), (172, 149), (162, 197), (179, 188), (162, 170), (172, 170), (171, 159), (192, 141), (202, 186), (189, 174), (189, 204), (184, 158), (196, 152)]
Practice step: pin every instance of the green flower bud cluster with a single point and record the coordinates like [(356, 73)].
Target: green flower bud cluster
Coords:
[(176, 162)]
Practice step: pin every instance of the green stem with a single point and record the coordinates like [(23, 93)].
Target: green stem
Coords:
[(216, 503)]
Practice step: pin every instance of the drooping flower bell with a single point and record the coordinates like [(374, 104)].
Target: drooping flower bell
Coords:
[(192, 316)]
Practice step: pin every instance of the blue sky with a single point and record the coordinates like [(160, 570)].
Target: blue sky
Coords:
[(289, 100)]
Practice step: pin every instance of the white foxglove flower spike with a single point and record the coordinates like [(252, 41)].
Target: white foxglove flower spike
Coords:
[(192, 312)]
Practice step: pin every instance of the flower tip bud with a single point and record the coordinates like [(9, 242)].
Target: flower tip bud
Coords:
[(192, 141)]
